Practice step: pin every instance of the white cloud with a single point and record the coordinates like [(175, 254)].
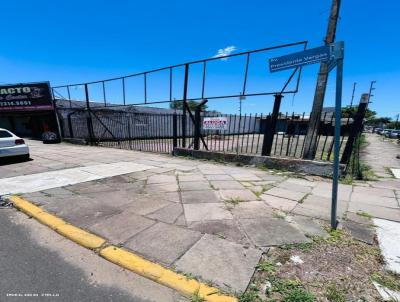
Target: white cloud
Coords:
[(223, 52)]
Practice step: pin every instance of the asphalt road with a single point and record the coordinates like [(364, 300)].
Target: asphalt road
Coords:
[(35, 262)]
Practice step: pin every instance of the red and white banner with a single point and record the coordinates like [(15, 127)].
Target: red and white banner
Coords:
[(215, 123)]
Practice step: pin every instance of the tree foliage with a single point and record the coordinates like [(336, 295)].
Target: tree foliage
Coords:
[(191, 104)]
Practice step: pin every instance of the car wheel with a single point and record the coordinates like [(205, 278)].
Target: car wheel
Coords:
[(26, 157)]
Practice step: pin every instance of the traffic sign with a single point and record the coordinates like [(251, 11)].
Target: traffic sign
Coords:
[(328, 53), (297, 59)]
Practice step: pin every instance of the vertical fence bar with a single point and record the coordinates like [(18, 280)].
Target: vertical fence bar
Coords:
[(204, 79), (185, 88), (197, 128), (145, 87), (170, 84), (123, 90), (104, 94), (69, 97), (89, 116), (245, 74), (269, 135)]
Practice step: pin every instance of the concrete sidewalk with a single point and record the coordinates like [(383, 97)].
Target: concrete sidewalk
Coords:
[(210, 221)]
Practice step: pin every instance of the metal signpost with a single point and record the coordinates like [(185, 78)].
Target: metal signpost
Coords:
[(333, 54)]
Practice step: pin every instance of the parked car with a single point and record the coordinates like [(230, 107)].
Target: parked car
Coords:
[(394, 134), (12, 145)]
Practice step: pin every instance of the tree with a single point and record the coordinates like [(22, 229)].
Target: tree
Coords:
[(377, 121), (351, 111), (191, 104)]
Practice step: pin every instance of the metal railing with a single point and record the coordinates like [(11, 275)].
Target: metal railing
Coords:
[(108, 96)]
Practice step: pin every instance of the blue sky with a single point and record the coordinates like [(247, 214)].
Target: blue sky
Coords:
[(76, 41)]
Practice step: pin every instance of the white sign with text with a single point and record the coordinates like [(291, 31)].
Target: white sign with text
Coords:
[(215, 123)]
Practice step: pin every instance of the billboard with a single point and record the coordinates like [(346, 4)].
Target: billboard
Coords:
[(29, 96)]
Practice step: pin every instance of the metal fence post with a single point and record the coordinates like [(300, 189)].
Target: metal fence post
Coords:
[(269, 130), (175, 130), (355, 129), (89, 117), (197, 123), (71, 132), (185, 88)]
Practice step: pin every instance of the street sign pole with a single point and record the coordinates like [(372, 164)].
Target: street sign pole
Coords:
[(333, 55), (338, 122)]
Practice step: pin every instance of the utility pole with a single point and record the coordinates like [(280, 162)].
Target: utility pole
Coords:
[(371, 87), (315, 117), (352, 95)]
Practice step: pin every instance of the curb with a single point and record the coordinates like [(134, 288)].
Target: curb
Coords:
[(122, 257)]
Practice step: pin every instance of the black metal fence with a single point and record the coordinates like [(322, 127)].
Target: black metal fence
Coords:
[(244, 134)]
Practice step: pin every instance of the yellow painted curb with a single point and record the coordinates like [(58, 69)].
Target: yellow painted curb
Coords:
[(162, 275), (121, 257), (74, 233), (80, 236)]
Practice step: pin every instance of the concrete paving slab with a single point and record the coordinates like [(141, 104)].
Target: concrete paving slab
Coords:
[(83, 214), (199, 196), (206, 211), (226, 229), (358, 218), (374, 191), (375, 211), (222, 262), (309, 226), (388, 233), (243, 195), (90, 187), (167, 214), (283, 204), (285, 193), (145, 204), (191, 177), (54, 179), (119, 228), (226, 184), (245, 177), (194, 185), (219, 177), (272, 232), (294, 187), (392, 184), (167, 196), (368, 198), (252, 209), (163, 242), (301, 182), (361, 232), (324, 189), (166, 187), (319, 207), (57, 192), (161, 179)]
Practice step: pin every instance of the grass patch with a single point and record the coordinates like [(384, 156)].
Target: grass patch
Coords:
[(196, 298), (266, 266), (364, 214), (250, 296), (390, 281), (305, 246), (335, 294), (234, 201), (291, 291)]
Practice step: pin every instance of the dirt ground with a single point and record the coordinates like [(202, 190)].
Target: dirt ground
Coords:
[(337, 268)]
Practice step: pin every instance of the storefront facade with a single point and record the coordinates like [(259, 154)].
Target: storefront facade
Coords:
[(27, 109)]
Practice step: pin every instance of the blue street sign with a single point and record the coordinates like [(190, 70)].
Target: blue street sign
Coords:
[(309, 56)]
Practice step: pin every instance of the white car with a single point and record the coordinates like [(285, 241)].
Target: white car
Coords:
[(12, 145)]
